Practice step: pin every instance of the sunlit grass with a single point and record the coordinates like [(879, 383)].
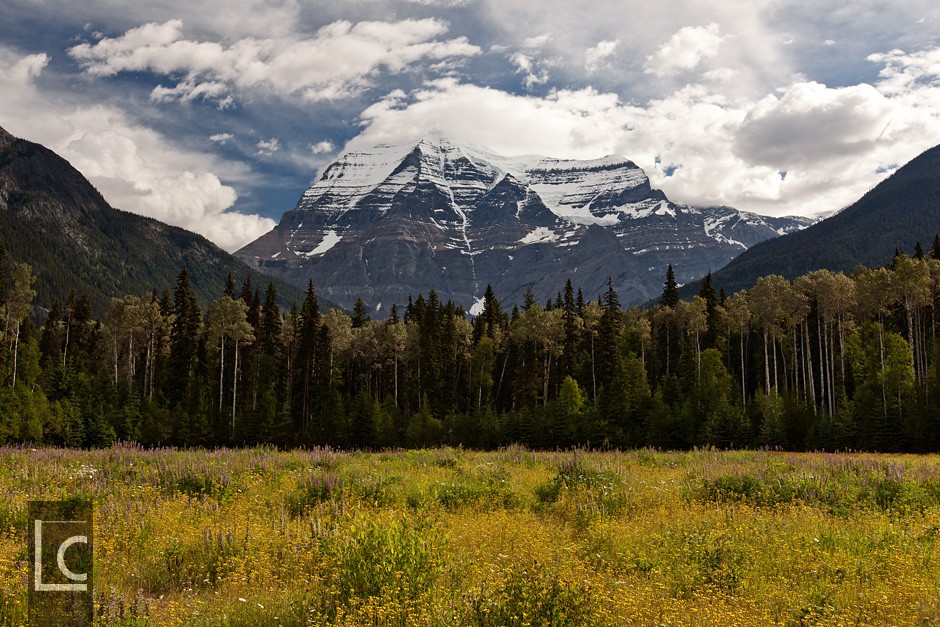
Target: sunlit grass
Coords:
[(513, 537)]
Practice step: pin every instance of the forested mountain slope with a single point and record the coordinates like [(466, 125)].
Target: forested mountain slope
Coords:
[(902, 210)]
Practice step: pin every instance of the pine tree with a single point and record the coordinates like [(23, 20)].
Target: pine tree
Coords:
[(528, 299), (670, 290), (270, 321), (248, 290), (360, 317), (50, 343), (305, 386), (184, 337), (935, 250), (710, 296)]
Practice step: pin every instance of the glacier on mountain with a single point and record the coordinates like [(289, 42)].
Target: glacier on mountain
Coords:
[(398, 220)]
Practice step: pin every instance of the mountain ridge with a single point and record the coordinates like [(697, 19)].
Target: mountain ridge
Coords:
[(394, 220), (54, 219), (895, 214)]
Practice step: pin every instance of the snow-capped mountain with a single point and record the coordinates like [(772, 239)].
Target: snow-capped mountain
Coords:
[(400, 220)]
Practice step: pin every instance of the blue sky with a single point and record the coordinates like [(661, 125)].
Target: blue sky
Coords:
[(217, 115)]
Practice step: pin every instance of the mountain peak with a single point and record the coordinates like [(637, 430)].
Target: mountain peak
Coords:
[(5, 137), (386, 221)]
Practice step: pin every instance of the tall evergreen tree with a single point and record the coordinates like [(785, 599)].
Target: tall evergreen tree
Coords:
[(305, 386), (184, 338), (360, 316), (670, 296)]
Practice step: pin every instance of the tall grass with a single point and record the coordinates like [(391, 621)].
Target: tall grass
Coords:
[(513, 537)]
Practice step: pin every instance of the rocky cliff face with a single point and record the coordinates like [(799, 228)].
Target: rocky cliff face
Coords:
[(395, 221)]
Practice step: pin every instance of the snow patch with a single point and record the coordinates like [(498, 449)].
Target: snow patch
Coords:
[(330, 239), (477, 307), (540, 235)]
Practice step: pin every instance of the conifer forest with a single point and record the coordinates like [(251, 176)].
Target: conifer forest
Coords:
[(827, 361)]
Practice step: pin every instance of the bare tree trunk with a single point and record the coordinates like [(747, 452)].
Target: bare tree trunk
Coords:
[(842, 348), (823, 388), (234, 389), (773, 346), (221, 369), (766, 366), (16, 351), (502, 372), (131, 365), (881, 345), (743, 374), (811, 383), (114, 344), (910, 336)]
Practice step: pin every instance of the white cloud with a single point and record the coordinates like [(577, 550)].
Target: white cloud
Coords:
[(338, 60), (581, 123), (537, 41), (787, 131), (685, 50), (267, 147), (903, 72), (530, 68), (834, 143), (322, 147), (594, 57), (221, 138), (135, 168), (21, 71)]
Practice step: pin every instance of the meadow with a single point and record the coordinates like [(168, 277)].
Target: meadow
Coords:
[(511, 537)]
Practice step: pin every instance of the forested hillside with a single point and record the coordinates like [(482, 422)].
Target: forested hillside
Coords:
[(896, 213), (54, 219)]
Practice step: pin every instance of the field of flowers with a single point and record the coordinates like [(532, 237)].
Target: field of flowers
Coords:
[(448, 537)]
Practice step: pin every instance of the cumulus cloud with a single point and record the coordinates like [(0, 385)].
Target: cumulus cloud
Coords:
[(267, 147), (135, 168), (594, 57), (338, 60), (785, 130), (579, 123), (685, 50), (221, 138), (322, 147), (903, 72), (835, 143), (532, 71)]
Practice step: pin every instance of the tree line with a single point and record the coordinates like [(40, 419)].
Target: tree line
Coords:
[(826, 361)]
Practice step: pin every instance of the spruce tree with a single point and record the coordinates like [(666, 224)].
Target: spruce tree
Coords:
[(710, 296), (230, 286), (184, 338), (305, 385), (670, 289), (360, 316)]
